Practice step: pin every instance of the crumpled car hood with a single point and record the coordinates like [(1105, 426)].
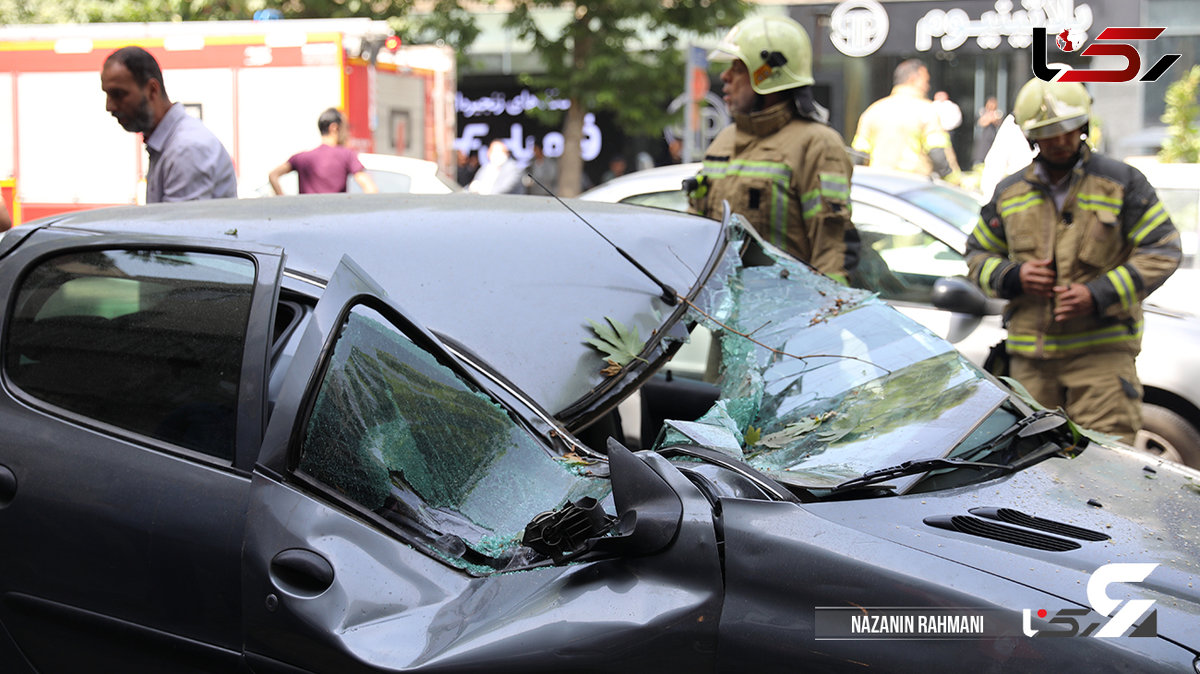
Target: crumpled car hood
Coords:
[(1145, 506)]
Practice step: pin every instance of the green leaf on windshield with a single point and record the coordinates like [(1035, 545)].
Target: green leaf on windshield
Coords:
[(793, 432), (789, 434), (619, 344), (1022, 392), (753, 436)]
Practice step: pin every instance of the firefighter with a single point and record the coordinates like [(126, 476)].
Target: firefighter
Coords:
[(1075, 242), (903, 131), (780, 164)]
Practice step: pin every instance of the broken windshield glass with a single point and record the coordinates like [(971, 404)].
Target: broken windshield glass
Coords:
[(821, 382), (408, 438)]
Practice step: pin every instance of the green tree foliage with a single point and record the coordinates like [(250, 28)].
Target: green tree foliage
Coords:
[(447, 23), (623, 56), (1183, 136), (96, 11)]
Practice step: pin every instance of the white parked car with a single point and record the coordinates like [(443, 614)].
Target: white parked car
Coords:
[(914, 232), (1178, 187)]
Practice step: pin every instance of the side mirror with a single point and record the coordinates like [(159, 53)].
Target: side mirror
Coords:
[(649, 514), (957, 294)]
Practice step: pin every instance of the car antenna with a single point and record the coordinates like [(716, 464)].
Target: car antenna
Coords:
[(668, 293)]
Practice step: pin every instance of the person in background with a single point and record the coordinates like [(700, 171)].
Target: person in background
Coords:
[(902, 131), (990, 119), (543, 172), (948, 112), (325, 168), (1075, 241), (187, 161), (6, 221), (500, 175), (1010, 152), (617, 166), (468, 164), (675, 151), (780, 165)]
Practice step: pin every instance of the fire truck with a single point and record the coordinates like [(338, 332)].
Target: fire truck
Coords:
[(258, 85)]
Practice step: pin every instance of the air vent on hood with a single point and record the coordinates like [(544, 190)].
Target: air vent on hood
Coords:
[(1023, 520), (1001, 532)]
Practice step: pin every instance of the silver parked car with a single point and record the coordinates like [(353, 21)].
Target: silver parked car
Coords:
[(914, 233)]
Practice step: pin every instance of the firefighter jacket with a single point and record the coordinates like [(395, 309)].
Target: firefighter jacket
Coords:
[(902, 132), (790, 178), (1113, 235)]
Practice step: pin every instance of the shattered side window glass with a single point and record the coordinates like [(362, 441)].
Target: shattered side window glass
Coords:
[(821, 382), (404, 436)]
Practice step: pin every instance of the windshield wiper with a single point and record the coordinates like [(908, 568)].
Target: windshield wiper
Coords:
[(911, 468), (1037, 423)]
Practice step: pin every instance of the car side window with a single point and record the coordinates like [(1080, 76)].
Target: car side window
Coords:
[(404, 436), (149, 341), (674, 200), (387, 182), (898, 259)]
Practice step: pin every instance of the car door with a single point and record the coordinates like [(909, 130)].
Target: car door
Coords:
[(132, 403), (384, 514)]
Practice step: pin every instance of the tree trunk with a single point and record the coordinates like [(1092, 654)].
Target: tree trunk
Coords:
[(570, 165)]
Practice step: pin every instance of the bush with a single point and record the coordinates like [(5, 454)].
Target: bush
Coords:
[(1182, 144)]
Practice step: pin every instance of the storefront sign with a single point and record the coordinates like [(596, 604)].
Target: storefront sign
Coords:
[(713, 114), (954, 26), (500, 115), (499, 103), (858, 27)]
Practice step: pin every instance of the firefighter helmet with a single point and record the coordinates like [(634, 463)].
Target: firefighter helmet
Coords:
[(1048, 109), (775, 49)]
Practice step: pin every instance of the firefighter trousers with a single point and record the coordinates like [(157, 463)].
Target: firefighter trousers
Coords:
[(1100, 391)]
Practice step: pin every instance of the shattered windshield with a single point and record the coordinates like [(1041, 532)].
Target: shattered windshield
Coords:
[(406, 437), (821, 382)]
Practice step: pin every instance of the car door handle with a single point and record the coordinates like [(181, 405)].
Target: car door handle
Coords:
[(8, 486), (301, 572)]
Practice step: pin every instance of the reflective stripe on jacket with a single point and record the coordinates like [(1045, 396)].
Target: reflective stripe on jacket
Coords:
[(790, 178), (1113, 235)]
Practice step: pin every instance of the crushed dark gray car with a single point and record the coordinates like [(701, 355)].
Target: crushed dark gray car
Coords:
[(378, 433)]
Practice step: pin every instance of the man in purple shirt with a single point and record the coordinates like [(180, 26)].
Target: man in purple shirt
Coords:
[(186, 160), (324, 169)]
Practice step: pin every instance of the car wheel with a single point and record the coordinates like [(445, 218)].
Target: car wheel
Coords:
[(1169, 436)]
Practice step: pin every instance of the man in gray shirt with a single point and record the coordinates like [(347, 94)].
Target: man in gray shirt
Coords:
[(187, 161)]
